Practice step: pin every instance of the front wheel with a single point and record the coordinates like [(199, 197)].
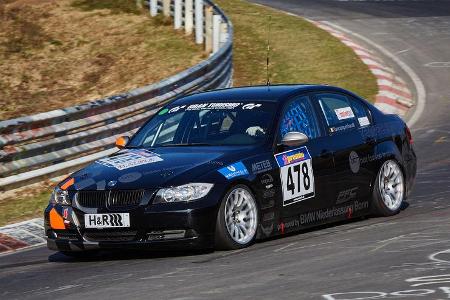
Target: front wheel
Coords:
[(389, 189), (237, 219)]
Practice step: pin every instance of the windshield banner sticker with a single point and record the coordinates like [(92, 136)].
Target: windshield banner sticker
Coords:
[(130, 159), (234, 170), (215, 106)]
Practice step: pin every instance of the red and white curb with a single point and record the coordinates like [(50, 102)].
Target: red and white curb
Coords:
[(22, 235), (393, 96)]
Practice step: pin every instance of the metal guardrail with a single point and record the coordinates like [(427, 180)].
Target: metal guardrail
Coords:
[(57, 142)]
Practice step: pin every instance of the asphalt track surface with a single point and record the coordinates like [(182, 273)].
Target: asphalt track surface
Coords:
[(403, 257)]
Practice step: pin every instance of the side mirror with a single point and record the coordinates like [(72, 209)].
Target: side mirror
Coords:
[(122, 141), (294, 138)]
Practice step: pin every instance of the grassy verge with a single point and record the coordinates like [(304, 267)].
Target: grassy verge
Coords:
[(301, 52), (23, 208), (58, 53)]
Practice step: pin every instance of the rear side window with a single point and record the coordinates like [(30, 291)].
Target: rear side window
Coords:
[(338, 112), (360, 111)]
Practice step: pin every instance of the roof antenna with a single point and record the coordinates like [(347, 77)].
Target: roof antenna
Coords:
[(268, 53)]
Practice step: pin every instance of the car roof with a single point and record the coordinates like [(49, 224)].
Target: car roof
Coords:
[(272, 93)]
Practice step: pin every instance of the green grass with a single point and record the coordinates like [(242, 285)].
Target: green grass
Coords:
[(23, 208), (301, 52)]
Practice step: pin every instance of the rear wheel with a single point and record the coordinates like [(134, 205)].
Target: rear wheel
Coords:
[(237, 220), (389, 189)]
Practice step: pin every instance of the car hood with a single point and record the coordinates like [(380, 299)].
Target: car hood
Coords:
[(141, 168)]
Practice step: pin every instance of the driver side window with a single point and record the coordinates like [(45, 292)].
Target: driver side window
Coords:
[(299, 116)]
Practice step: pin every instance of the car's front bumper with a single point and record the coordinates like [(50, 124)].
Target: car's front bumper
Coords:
[(150, 228)]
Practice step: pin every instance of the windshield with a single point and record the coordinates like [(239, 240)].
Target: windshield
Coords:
[(210, 123)]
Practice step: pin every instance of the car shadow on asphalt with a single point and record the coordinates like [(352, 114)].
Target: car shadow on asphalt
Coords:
[(117, 255), (112, 255)]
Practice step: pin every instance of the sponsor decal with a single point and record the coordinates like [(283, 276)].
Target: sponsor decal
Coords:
[(215, 162), (261, 166), (129, 159), (107, 220), (364, 121), (176, 108), (66, 213), (292, 157), (283, 226), (212, 106), (266, 179), (251, 106), (347, 195), (297, 177), (202, 106), (163, 111), (373, 131), (344, 113), (340, 128), (349, 213), (354, 162), (370, 158), (324, 214), (234, 170)]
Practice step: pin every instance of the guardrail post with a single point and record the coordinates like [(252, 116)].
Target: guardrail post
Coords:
[(188, 17), (223, 32), (177, 14), (199, 21), (166, 8), (153, 7), (216, 32), (208, 28)]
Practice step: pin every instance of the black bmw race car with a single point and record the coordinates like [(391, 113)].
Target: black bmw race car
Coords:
[(224, 168)]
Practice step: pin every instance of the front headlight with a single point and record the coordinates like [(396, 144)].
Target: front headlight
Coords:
[(183, 193), (59, 196)]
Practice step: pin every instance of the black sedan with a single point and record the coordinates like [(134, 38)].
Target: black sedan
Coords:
[(224, 168)]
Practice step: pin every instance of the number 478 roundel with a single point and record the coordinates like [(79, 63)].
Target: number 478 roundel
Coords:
[(297, 178)]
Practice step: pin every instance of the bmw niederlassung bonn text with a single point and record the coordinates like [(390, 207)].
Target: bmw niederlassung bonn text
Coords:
[(224, 168)]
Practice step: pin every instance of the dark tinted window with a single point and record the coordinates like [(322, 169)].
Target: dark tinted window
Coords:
[(360, 111), (299, 116), (338, 112), (209, 123)]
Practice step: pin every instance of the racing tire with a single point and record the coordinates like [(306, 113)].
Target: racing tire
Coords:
[(237, 219), (388, 190)]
